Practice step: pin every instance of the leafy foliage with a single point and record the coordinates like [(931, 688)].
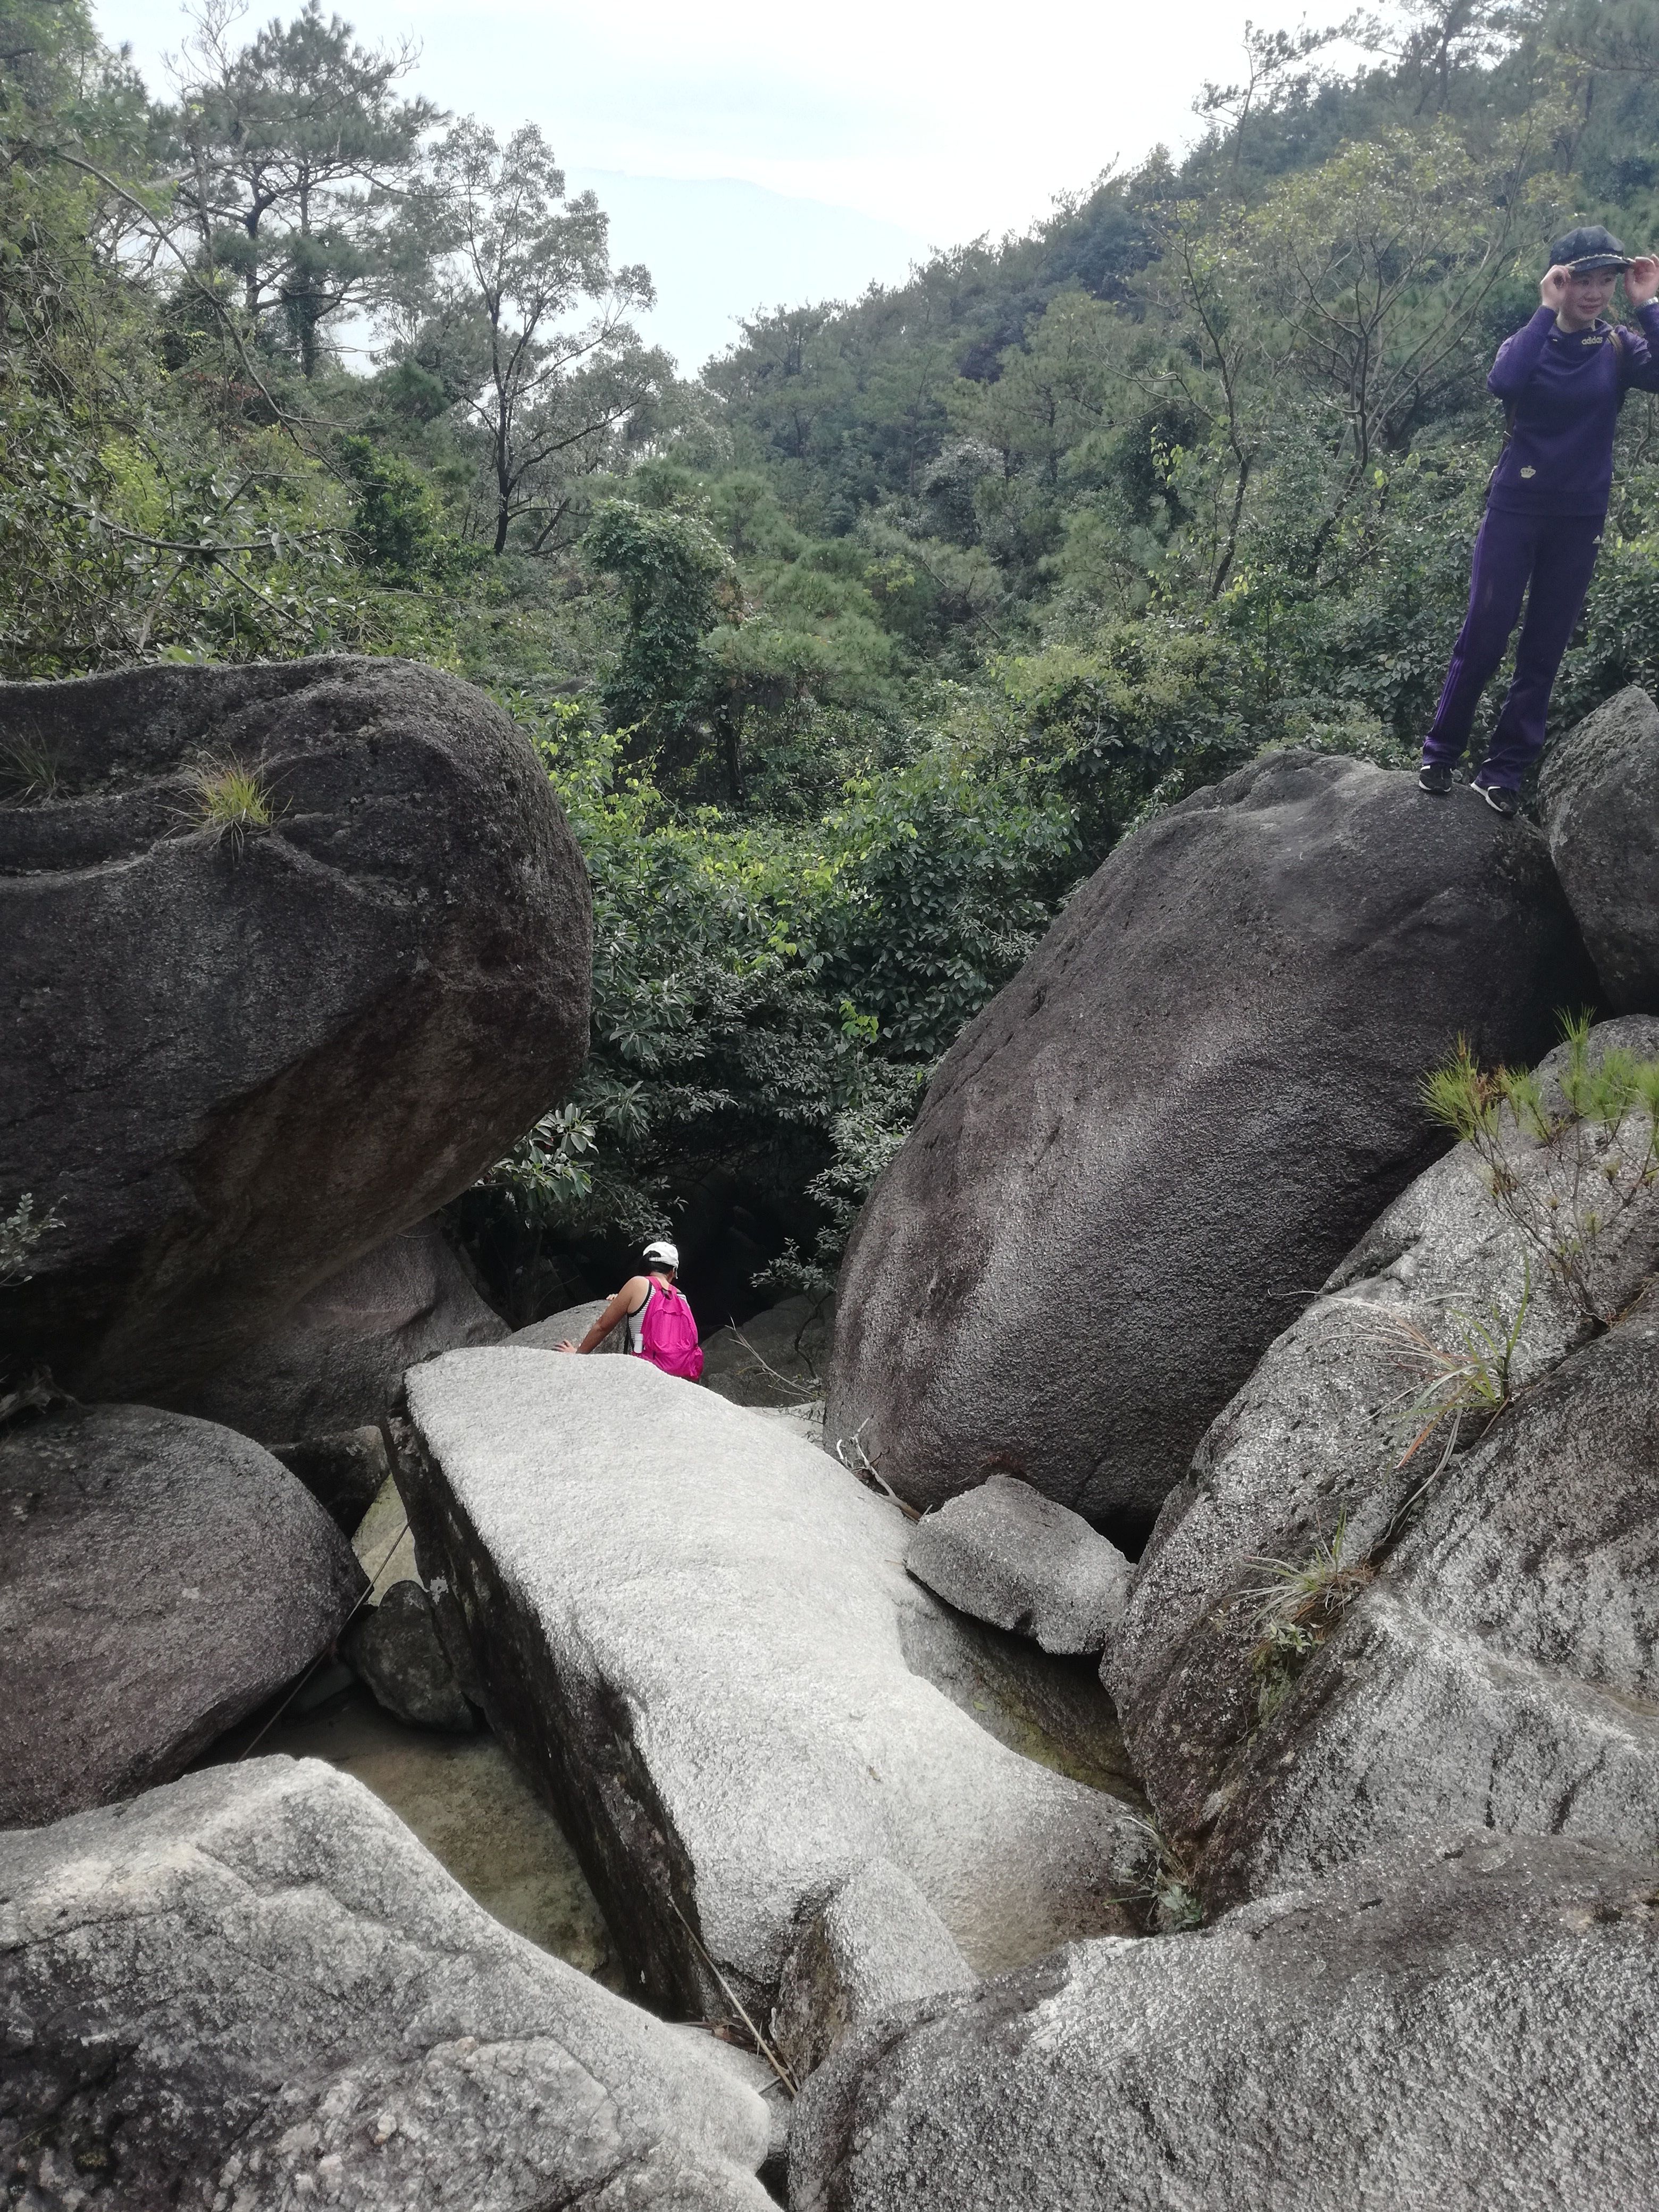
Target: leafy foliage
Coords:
[(850, 659), (21, 1231)]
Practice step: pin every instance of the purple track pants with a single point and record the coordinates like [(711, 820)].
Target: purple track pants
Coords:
[(1556, 554)]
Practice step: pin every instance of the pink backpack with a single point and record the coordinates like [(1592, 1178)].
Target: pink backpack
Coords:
[(668, 1335)]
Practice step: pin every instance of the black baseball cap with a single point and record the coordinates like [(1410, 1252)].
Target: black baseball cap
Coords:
[(1588, 249)]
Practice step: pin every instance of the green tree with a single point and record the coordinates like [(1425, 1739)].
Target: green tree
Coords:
[(674, 575), (296, 156), (1383, 259), (139, 515), (511, 258)]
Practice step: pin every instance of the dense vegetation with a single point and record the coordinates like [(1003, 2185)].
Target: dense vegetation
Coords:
[(850, 659)]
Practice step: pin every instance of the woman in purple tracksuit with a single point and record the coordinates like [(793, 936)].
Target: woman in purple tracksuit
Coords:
[(1563, 379)]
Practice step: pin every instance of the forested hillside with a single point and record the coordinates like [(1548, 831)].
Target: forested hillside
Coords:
[(852, 656)]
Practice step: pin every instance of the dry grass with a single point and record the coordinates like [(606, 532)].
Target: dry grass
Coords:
[(850, 1451), (1466, 1383), (1296, 1609)]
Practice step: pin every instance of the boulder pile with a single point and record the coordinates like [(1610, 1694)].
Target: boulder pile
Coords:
[(1346, 1897), (1462, 2026), (871, 1948), (1477, 1589), (1155, 1144)]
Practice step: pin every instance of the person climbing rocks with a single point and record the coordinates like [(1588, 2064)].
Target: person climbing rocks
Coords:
[(661, 1326), (1561, 378)]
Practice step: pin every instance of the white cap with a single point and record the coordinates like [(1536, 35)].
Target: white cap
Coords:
[(663, 1250)]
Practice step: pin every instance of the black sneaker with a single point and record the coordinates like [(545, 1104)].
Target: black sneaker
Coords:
[(1435, 776), (1501, 801)]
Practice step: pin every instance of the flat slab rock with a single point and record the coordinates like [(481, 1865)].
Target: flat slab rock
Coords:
[(698, 1630), (1009, 1555), (232, 1066), (254, 1988), (159, 1578), (1457, 2029), (1136, 1161)]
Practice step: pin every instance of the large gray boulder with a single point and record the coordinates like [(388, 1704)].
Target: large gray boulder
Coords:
[(1457, 2029), (336, 1361), (698, 1630), (1502, 1668), (1158, 1140), (255, 1987), (159, 1578), (233, 1063), (1010, 1556), (569, 1326), (395, 1648), (1599, 793), (1315, 1454), (777, 1358)]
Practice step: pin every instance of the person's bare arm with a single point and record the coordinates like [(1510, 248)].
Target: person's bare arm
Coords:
[(628, 1300)]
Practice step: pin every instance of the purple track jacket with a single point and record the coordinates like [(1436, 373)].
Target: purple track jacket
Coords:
[(1563, 390)]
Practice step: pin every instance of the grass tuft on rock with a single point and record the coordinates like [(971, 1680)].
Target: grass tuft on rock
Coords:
[(1297, 1608), (1465, 1382), (29, 774), (231, 799), (1594, 1142)]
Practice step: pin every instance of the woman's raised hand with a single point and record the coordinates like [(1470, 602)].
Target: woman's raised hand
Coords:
[(1552, 287), (1641, 279)]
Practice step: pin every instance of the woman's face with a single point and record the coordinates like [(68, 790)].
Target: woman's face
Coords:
[(1587, 296)]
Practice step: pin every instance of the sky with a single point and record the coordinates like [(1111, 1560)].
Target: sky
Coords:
[(752, 153)]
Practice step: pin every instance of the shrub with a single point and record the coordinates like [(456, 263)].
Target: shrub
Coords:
[(21, 1231)]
